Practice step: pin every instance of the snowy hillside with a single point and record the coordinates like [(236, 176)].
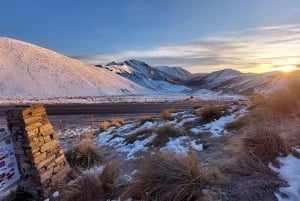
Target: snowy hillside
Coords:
[(215, 78), (29, 71), (145, 75), (265, 82), (176, 73)]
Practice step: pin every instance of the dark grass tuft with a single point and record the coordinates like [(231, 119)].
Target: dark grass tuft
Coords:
[(84, 154), (167, 177), (265, 143), (163, 135), (94, 186), (167, 115)]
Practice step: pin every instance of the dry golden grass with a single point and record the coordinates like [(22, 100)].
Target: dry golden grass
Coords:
[(87, 135), (104, 126), (282, 102), (117, 122), (210, 113), (294, 87), (167, 177), (163, 135), (264, 143), (94, 186), (84, 154), (257, 100), (167, 115), (145, 119), (109, 178), (237, 124)]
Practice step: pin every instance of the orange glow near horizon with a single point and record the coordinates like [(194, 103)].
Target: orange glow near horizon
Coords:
[(287, 69)]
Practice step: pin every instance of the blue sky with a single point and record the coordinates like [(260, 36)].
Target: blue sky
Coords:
[(200, 35)]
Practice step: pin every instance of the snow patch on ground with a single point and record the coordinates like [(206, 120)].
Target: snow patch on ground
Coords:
[(176, 145), (216, 127), (290, 172), (136, 146)]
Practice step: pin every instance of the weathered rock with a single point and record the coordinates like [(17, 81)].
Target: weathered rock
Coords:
[(40, 157)]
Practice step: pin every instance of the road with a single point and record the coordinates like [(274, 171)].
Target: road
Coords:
[(109, 108)]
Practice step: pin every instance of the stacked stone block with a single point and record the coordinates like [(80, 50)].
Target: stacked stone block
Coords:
[(41, 159)]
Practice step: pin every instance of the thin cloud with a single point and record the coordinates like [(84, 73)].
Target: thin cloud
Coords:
[(258, 49)]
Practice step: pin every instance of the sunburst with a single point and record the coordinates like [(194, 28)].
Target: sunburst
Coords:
[(287, 69)]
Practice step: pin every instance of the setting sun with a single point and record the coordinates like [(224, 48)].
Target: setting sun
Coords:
[(287, 69)]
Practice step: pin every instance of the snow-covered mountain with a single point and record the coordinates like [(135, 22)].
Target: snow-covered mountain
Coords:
[(233, 81), (28, 71), (145, 75), (176, 73), (214, 79), (265, 82)]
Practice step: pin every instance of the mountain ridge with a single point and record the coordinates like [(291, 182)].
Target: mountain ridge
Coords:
[(28, 70)]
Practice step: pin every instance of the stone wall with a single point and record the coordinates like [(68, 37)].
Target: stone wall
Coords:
[(41, 160)]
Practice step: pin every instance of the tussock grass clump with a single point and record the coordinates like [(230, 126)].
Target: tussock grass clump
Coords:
[(257, 100), (117, 122), (163, 135), (139, 135), (265, 144), (113, 122), (146, 119), (237, 124), (210, 113), (86, 188), (84, 154), (195, 107), (282, 102), (94, 186), (166, 115), (294, 87), (167, 177), (87, 135), (104, 126), (109, 178), (255, 179)]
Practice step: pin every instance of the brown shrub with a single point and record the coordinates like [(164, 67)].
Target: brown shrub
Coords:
[(87, 135), (104, 126), (117, 122), (84, 154), (210, 113), (166, 115), (257, 100), (265, 143), (139, 135), (93, 186), (163, 135), (294, 87), (282, 102), (109, 179), (237, 124), (195, 107), (255, 180), (167, 177), (145, 119)]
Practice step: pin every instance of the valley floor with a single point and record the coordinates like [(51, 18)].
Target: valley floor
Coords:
[(133, 139), (215, 131)]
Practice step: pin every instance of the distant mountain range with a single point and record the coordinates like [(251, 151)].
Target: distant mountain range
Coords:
[(149, 77), (28, 71)]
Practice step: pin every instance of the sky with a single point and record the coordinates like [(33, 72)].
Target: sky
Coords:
[(198, 35)]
